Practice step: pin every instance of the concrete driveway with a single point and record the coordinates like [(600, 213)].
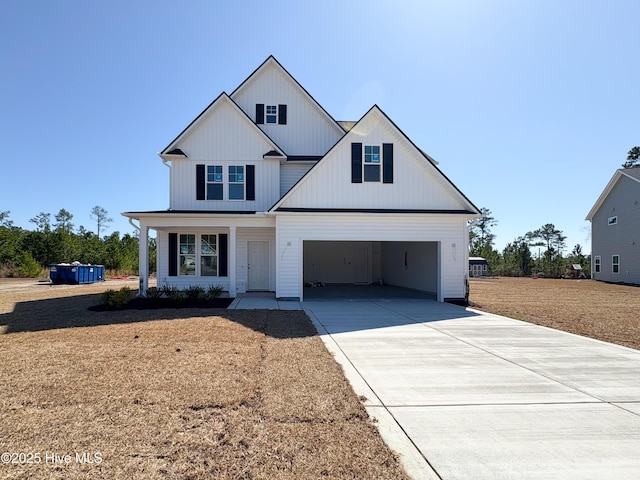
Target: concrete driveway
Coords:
[(468, 395)]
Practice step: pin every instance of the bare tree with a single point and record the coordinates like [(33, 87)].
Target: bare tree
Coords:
[(101, 216)]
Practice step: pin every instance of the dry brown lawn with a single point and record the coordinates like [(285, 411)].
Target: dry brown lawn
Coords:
[(585, 307), (174, 393)]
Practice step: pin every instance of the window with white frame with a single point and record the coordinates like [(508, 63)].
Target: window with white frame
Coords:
[(187, 257), (371, 163), (208, 255), (615, 264), (597, 261), (214, 182), (271, 113), (612, 220), (236, 182)]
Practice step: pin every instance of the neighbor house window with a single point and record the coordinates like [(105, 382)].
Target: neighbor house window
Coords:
[(612, 220), (597, 261), (208, 256), (615, 263), (371, 163), (236, 182), (272, 113), (214, 182), (187, 256)]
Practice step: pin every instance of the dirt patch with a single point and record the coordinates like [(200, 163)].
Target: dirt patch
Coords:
[(175, 393), (586, 307)]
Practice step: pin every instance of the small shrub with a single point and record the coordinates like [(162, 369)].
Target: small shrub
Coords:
[(174, 294), (194, 293), (214, 291), (153, 293), (29, 267), (116, 299)]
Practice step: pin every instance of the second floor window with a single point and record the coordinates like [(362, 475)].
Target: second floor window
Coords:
[(214, 182), (272, 113), (371, 163), (236, 182)]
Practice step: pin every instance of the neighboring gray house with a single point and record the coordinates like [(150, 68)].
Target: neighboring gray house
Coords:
[(615, 229)]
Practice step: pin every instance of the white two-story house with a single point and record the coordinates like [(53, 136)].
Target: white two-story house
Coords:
[(268, 193)]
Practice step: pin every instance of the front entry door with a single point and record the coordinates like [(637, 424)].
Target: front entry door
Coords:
[(258, 266)]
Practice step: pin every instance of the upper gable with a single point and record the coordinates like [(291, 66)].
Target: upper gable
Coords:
[(411, 181), (223, 132), (307, 128), (622, 190)]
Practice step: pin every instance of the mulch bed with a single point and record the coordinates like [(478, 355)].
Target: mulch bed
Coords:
[(155, 303)]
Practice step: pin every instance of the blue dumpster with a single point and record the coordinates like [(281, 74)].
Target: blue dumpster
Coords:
[(75, 274)]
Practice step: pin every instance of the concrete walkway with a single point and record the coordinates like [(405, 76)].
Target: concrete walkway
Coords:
[(467, 395)]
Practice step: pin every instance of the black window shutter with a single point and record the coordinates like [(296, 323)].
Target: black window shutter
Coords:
[(173, 254), (387, 162), (356, 163), (259, 113), (223, 255), (282, 114), (200, 182), (250, 186)]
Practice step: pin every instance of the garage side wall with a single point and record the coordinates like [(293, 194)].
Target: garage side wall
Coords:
[(293, 230), (411, 265)]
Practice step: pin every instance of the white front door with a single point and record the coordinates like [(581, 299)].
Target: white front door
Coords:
[(258, 265)]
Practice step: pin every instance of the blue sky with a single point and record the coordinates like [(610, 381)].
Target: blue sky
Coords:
[(529, 106)]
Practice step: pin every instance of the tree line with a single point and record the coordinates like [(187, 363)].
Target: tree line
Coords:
[(27, 253), (517, 259)]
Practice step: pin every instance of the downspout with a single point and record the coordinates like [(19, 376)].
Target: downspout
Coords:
[(137, 227)]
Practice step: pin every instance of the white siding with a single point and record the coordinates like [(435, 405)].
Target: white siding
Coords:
[(293, 230), (417, 184), (224, 136), (291, 173), (183, 183), (309, 131)]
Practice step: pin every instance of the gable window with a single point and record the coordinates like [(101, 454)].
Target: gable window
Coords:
[(236, 182), (371, 163), (214, 182), (187, 254), (597, 261), (612, 220), (272, 114), (615, 264), (208, 256)]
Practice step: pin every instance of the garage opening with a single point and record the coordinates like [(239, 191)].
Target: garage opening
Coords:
[(407, 265)]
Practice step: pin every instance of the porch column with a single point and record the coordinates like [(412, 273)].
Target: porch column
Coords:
[(143, 260), (232, 261)]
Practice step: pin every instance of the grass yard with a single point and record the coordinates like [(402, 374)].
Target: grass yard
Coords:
[(586, 307), (174, 394)]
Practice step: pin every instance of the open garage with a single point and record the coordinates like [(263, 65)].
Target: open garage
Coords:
[(410, 265)]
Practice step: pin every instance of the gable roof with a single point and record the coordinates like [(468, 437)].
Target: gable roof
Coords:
[(355, 132), (172, 149), (632, 173), (271, 61)]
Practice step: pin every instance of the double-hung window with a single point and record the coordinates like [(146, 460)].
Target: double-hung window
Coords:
[(208, 255), (597, 261), (214, 182), (187, 256), (615, 264), (271, 113), (236, 182), (371, 163)]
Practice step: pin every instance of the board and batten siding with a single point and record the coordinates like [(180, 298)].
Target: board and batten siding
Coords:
[(622, 238), (224, 136), (416, 183), (291, 173), (449, 231), (308, 130)]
